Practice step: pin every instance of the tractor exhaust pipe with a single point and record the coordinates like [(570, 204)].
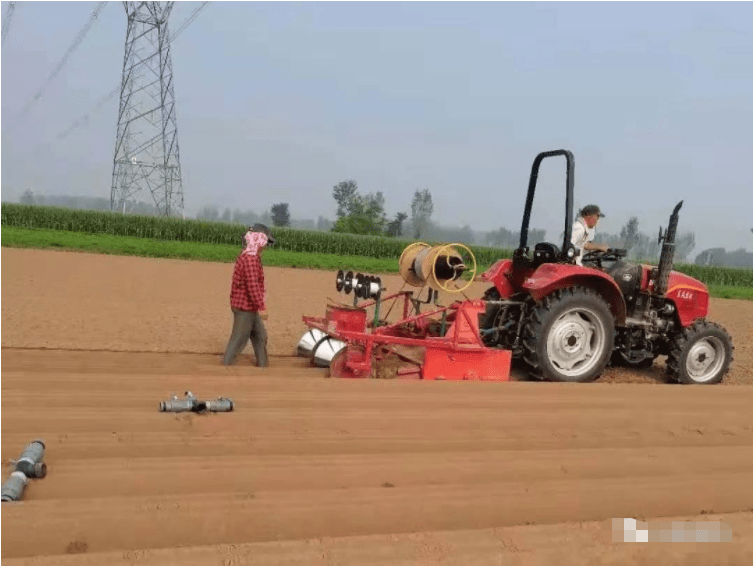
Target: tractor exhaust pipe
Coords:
[(667, 259)]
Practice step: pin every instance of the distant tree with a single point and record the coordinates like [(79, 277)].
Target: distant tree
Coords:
[(438, 233), (323, 224), (27, 198), (373, 209), (467, 235), (684, 244), (535, 235), (366, 215), (501, 238), (142, 208), (611, 240), (247, 218), (358, 214), (739, 258), (280, 214), (421, 208), (303, 224), (208, 213), (647, 249), (265, 218), (395, 227), (346, 196), (227, 216), (711, 257), (630, 234)]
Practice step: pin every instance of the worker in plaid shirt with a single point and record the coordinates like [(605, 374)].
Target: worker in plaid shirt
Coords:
[(247, 298)]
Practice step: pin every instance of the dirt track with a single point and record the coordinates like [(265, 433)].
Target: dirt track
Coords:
[(311, 470)]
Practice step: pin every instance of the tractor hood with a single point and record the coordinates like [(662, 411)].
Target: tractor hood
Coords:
[(690, 296)]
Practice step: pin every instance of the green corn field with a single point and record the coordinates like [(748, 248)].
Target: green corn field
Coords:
[(190, 230), (289, 239)]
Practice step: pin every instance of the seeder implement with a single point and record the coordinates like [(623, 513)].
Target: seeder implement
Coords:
[(442, 344)]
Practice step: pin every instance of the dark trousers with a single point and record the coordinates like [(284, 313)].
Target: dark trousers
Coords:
[(247, 325)]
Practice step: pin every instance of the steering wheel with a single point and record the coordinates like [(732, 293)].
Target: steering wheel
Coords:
[(597, 256)]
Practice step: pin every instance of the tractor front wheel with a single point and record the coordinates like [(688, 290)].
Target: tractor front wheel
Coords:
[(700, 354), (569, 336)]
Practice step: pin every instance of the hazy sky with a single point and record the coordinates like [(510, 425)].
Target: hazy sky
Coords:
[(277, 102)]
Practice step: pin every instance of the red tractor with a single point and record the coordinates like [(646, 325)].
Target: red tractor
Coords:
[(568, 322)]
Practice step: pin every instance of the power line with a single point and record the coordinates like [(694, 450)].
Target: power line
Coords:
[(188, 20), (7, 18), (76, 42), (83, 120)]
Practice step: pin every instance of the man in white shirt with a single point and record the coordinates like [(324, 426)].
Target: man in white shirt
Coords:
[(584, 232)]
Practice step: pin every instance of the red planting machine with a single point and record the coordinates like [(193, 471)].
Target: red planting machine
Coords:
[(441, 343)]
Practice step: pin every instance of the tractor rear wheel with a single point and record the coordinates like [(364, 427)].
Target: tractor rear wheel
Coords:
[(700, 354), (569, 336)]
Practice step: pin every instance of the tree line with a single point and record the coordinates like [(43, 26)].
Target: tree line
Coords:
[(365, 214)]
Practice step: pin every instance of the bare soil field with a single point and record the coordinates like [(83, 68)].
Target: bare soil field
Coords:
[(314, 470)]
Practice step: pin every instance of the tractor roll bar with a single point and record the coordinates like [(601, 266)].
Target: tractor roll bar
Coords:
[(568, 198)]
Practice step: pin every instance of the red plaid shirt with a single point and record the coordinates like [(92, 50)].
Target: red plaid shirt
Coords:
[(247, 290)]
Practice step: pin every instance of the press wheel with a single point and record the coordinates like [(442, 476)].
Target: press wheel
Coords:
[(338, 368)]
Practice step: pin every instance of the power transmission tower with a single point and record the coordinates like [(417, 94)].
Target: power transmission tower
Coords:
[(146, 147)]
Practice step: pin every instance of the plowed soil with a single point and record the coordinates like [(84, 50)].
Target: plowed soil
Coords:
[(316, 470)]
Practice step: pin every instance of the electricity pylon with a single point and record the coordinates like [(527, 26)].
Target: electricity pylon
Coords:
[(146, 147)]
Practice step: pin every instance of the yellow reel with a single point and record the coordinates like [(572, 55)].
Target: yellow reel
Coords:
[(406, 272), (450, 248)]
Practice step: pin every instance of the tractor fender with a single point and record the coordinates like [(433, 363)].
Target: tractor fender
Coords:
[(497, 274), (551, 277)]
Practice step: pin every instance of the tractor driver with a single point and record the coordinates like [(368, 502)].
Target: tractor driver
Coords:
[(584, 232)]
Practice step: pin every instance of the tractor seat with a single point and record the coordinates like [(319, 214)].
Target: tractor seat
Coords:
[(545, 253)]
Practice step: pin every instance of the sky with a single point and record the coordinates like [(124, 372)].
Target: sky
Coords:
[(278, 102)]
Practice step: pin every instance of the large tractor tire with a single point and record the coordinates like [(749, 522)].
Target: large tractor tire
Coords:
[(700, 354), (569, 336)]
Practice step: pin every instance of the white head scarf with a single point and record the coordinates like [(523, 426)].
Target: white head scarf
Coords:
[(254, 242)]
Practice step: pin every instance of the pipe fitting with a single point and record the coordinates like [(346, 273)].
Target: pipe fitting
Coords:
[(176, 405), (13, 488), (218, 405), (30, 462), (191, 403)]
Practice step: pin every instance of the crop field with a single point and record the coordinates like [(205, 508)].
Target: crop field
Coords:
[(315, 470), (289, 240), (171, 229)]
